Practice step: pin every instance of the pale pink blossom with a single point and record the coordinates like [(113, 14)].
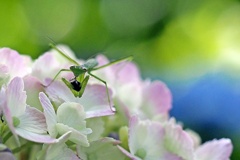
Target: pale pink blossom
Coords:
[(12, 64), (23, 120)]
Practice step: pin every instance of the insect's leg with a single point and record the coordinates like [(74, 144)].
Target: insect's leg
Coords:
[(129, 58), (63, 54), (62, 70), (83, 86), (105, 83)]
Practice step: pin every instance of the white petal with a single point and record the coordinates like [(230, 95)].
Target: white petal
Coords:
[(76, 136), (35, 137), (146, 139), (103, 149), (58, 150), (32, 86), (48, 110), (16, 97), (131, 96), (72, 114), (97, 126), (215, 150)]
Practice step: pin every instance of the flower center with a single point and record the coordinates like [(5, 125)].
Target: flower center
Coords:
[(141, 153), (16, 121)]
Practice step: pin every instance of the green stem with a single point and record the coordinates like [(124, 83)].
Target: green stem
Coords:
[(24, 146), (9, 134)]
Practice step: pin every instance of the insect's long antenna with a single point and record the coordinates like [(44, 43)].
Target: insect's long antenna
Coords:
[(129, 58), (63, 54), (109, 100)]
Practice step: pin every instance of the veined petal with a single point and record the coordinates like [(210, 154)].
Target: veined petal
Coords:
[(33, 121), (76, 136), (215, 150), (16, 97), (50, 115), (146, 139), (35, 137), (157, 99)]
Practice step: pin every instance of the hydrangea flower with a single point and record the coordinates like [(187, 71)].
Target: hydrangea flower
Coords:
[(39, 107), (151, 140), (150, 98), (70, 117), (23, 120)]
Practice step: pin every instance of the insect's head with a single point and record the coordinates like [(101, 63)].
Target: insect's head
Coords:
[(78, 70)]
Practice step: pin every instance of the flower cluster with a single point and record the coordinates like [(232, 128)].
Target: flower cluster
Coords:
[(128, 118)]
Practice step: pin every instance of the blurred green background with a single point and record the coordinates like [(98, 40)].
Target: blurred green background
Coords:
[(193, 46)]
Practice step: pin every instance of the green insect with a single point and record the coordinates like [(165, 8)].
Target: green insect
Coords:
[(78, 84)]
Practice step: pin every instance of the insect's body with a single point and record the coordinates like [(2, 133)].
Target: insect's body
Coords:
[(75, 84), (78, 84)]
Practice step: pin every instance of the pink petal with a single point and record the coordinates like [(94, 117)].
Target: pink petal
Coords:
[(105, 73), (177, 141), (215, 150), (16, 97), (124, 69), (157, 99), (51, 118), (94, 99), (17, 65)]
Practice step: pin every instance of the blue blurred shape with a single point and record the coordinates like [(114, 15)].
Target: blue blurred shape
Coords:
[(210, 105)]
